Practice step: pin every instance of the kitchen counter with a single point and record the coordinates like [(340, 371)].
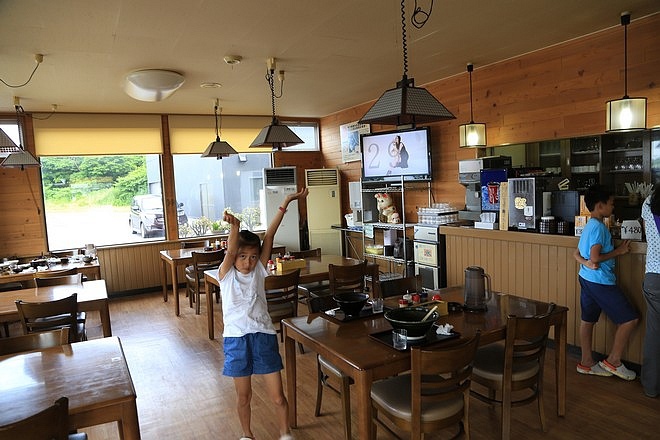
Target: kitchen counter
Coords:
[(542, 267)]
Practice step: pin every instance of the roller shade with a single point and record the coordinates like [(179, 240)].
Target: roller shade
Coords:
[(91, 134), (192, 134)]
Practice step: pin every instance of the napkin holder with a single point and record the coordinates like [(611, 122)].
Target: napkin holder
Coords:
[(285, 265)]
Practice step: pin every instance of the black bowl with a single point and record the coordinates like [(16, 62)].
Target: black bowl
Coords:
[(64, 260), (351, 303), (410, 318)]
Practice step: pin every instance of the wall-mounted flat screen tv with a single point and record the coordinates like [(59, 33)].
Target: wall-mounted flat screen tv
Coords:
[(392, 154)]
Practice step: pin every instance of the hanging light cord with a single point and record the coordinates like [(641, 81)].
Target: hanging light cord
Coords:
[(625, 20), (217, 130), (16, 86), (471, 115), (19, 116), (270, 78), (418, 19)]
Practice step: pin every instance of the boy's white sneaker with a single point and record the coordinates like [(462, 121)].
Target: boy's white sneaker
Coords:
[(594, 370), (620, 371)]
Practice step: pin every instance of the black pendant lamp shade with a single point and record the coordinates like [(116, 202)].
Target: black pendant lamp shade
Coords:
[(275, 135), (406, 104), (218, 148), (625, 114)]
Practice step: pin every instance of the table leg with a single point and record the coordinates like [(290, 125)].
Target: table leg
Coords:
[(175, 289), (210, 290), (105, 319), (290, 366), (129, 425), (560, 364), (163, 278), (363, 381)]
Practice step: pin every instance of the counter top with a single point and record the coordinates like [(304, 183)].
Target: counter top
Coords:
[(636, 247)]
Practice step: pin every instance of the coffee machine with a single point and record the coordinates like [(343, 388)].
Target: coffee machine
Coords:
[(469, 175)]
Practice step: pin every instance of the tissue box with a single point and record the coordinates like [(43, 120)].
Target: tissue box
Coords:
[(285, 265)]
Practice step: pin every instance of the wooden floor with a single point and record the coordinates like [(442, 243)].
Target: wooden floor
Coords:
[(183, 395)]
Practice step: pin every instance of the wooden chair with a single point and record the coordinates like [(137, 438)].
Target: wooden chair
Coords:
[(58, 279), (282, 297), (319, 288), (345, 279), (434, 395), (34, 341), (328, 372), (202, 261), (515, 366), (194, 244), (50, 424), (399, 286), (51, 315)]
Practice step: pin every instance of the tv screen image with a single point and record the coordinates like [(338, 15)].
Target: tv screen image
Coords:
[(390, 155)]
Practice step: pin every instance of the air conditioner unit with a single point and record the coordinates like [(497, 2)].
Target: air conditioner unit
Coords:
[(324, 209), (278, 183)]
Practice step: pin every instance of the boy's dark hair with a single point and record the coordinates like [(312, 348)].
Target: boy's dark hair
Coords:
[(248, 239), (595, 194)]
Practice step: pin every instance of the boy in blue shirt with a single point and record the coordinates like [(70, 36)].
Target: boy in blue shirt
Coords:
[(599, 291)]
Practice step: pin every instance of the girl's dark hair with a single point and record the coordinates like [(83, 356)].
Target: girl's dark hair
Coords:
[(655, 199), (248, 239)]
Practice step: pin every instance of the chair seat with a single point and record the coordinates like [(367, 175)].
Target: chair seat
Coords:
[(395, 395), (489, 364), (329, 367)]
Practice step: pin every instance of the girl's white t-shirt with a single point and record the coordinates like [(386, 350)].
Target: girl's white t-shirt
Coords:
[(244, 307)]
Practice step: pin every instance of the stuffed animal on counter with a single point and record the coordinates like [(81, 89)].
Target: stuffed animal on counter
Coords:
[(386, 208)]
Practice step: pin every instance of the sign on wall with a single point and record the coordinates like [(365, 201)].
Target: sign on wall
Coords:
[(350, 140)]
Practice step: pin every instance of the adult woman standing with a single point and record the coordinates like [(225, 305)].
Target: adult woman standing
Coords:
[(651, 353)]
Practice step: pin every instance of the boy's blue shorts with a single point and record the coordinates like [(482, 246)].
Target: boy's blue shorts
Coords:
[(595, 297), (254, 353)]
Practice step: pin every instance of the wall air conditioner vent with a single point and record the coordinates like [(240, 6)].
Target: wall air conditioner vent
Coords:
[(324, 177), (280, 176)]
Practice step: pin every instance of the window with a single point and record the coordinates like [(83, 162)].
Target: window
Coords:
[(103, 200), (205, 187), (308, 132)]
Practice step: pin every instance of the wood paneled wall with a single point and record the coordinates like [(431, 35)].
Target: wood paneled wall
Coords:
[(542, 267), (553, 93)]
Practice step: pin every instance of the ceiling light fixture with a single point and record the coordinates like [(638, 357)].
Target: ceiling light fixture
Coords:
[(218, 148), (627, 113), (406, 104), (152, 85), (275, 135), (233, 59), (19, 158), (472, 134)]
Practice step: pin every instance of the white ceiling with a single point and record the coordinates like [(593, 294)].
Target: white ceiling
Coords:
[(336, 54)]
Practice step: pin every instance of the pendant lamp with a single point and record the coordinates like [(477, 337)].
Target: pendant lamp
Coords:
[(20, 157), (625, 114), (406, 104), (472, 134), (275, 135), (218, 148)]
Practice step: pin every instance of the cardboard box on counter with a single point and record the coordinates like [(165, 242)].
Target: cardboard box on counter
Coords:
[(580, 223), (484, 225), (583, 207), (504, 206), (285, 265)]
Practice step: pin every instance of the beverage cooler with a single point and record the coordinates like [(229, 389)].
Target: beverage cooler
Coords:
[(430, 256)]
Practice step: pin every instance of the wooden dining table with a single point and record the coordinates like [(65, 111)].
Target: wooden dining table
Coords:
[(349, 347), (92, 296), (172, 259), (93, 374), (315, 270), (91, 270)]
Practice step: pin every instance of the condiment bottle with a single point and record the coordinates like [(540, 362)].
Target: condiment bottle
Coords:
[(408, 297), (416, 299), (217, 244), (403, 302), (271, 266)]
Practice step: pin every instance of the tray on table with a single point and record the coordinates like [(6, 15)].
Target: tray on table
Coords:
[(366, 312), (431, 338)]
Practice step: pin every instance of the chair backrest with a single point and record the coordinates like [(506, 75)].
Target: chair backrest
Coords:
[(50, 315), (282, 295), (310, 253), (194, 244), (399, 286), (525, 344), (50, 424), (319, 304), (58, 280), (347, 278), (34, 341), (202, 261), (439, 375)]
